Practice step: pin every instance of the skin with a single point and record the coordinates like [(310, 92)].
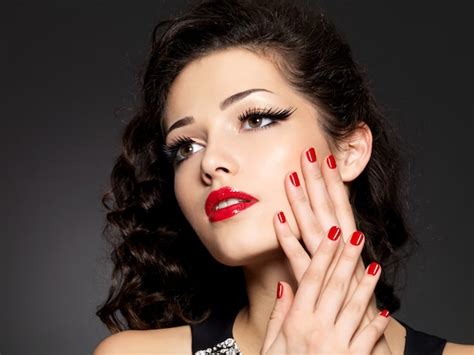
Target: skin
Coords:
[(249, 161), (258, 162)]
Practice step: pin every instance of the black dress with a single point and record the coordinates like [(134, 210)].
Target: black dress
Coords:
[(214, 336)]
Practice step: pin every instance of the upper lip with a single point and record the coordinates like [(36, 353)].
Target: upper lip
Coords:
[(222, 194)]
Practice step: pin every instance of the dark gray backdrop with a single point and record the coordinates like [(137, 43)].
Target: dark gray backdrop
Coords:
[(68, 65)]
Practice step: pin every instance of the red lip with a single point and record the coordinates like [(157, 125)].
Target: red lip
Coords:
[(226, 193)]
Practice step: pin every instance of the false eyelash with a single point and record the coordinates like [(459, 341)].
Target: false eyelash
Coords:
[(171, 149), (268, 113)]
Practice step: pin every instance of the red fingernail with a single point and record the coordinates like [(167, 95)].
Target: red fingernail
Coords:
[(311, 155), (334, 233), (384, 313), (373, 268), (294, 179), (356, 238), (281, 217), (331, 161), (279, 290)]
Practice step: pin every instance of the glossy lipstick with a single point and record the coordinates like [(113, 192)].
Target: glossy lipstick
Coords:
[(226, 193)]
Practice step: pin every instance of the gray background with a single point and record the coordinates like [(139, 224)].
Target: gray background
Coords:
[(67, 66)]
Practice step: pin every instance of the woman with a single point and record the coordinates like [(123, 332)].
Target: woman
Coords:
[(257, 163)]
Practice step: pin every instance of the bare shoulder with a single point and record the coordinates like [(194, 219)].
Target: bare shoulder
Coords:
[(458, 349), (176, 340)]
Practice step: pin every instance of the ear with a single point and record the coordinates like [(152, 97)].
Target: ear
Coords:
[(354, 153)]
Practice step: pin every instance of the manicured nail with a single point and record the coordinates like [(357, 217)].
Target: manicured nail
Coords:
[(373, 268), (279, 290), (311, 155), (356, 238), (334, 233), (294, 179), (331, 161), (281, 217), (384, 313)]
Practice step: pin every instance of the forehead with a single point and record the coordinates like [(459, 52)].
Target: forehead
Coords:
[(205, 82)]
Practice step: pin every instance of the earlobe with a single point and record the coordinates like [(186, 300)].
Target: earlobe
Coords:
[(355, 152)]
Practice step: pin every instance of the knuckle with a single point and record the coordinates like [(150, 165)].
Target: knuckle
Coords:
[(312, 280), (292, 323), (337, 285), (313, 275), (348, 255), (313, 340), (294, 250), (372, 331), (356, 307), (326, 205), (300, 197), (317, 175), (327, 248), (276, 314)]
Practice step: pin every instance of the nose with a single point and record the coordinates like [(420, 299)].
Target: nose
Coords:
[(219, 162)]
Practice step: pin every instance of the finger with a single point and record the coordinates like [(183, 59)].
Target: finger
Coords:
[(365, 341), (338, 194), (312, 280), (334, 294), (319, 176), (305, 219), (283, 301), (297, 256), (318, 195), (351, 315)]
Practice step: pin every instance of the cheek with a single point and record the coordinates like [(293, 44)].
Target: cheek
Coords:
[(272, 161), (185, 187), (268, 169)]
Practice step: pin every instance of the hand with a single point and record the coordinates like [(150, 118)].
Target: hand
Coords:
[(327, 205), (315, 321)]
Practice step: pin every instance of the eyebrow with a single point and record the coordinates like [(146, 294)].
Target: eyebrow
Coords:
[(223, 105)]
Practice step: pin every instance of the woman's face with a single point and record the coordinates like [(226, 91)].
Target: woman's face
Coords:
[(252, 156)]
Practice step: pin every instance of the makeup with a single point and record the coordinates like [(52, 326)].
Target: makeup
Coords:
[(253, 117), (226, 202)]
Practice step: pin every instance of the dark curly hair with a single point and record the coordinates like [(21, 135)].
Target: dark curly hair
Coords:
[(163, 276)]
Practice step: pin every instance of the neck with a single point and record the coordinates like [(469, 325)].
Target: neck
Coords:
[(261, 281)]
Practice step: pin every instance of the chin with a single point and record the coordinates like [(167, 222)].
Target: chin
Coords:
[(236, 250)]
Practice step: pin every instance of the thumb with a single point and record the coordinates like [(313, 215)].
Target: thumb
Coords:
[(283, 302)]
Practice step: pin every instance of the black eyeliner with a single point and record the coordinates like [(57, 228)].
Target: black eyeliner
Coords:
[(170, 150), (278, 115)]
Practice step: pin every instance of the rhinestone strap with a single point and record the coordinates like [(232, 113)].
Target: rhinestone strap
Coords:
[(227, 347)]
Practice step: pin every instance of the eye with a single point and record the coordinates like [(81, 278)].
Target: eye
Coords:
[(254, 122), (254, 119), (180, 149), (187, 149)]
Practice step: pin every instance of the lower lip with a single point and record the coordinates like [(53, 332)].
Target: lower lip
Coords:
[(229, 211)]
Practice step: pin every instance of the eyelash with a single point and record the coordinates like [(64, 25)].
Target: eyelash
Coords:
[(170, 150)]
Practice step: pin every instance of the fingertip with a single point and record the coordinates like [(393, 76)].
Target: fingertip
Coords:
[(280, 289), (374, 268), (357, 239), (385, 313), (283, 290), (281, 217), (384, 319), (280, 223)]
